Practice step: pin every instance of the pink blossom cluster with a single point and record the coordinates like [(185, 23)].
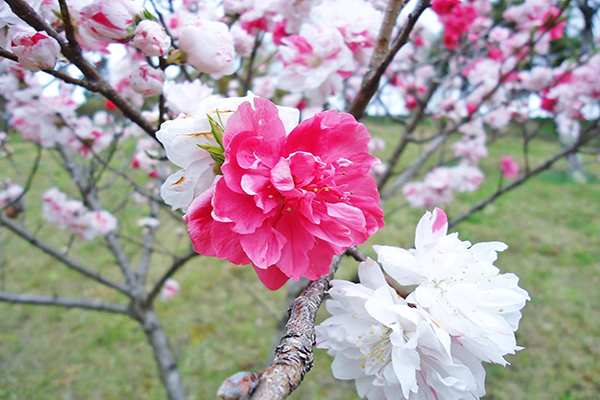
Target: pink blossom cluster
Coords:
[(456, 17), (431, 343), (73, 215), (439, 185)]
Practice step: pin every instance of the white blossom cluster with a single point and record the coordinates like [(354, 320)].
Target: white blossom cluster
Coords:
[(431, 344)]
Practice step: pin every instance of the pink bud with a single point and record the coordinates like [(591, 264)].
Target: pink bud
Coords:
[(509, 167), (169, 289), (208, 47), (110, 20), (151, 38), (35, 50), (147, 81)]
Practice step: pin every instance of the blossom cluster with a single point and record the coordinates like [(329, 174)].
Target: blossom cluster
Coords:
[(73, 215), (430, 344)]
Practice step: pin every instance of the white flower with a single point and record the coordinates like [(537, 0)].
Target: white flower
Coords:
[(182, 136), (391, 347), (460, 287)]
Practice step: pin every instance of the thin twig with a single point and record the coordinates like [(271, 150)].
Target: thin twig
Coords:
[(22, 232), (177, 264), (68, 302), (585, 137)]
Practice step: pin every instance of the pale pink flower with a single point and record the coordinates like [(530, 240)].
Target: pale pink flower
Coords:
[(208, 47), (9, 193), (471, 147), (110, 20), (264, 86), (87, 138), (287, 203), (315, 61), (465, 177), (151, 38), (509, 167), (35, 50), (537, 79), (186, 97), (72, 214), (147, 80), (357, 20), (242, 41), (376, 144), (169, 289)]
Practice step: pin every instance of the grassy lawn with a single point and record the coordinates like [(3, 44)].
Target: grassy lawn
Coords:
[(224, 320)]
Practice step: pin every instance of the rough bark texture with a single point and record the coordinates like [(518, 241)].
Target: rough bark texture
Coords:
[(293, 356), (165, 359)]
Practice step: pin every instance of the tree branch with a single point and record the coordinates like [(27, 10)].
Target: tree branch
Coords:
[(293, 356), (585, 137), (372, 78), (51, 251), (68, 302), (96, 82), (177, 263)]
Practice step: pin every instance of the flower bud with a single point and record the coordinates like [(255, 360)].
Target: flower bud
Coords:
[(147, 81), (151, 39), (110, 20), (35, 51), (208, 47)]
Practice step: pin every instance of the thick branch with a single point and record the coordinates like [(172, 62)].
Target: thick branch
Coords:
[(371, 81), (584, 138), (293, 356), (68, 302), (48, 249)]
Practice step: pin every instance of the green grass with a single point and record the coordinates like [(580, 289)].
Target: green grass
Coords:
[(224, 320)]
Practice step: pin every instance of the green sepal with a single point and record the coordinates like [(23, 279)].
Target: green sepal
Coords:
[(216, 130), (148, 15), (211, 149)]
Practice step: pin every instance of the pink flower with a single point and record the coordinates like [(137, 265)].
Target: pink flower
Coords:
[(110, 20), (35, 50), (509, 167), (151, 38), (287, 204)]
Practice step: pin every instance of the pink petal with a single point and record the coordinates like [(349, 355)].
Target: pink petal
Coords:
[(263, 247), (294, 259), (240, 209), (271, 277)]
